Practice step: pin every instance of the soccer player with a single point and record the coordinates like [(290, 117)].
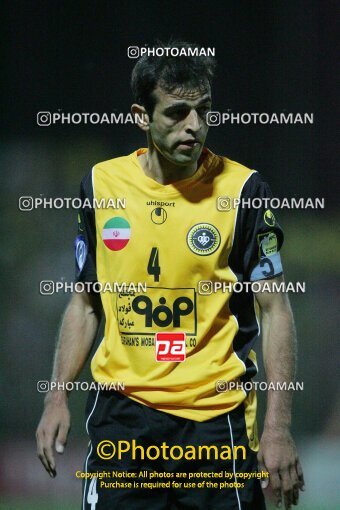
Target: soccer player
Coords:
[(178, 236)]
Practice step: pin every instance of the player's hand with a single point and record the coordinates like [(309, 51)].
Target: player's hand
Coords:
[(52, 432), (278, 456)]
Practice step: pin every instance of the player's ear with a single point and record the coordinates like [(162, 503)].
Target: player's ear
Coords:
[(141, 117)]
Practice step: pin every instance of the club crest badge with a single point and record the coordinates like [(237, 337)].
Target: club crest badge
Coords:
[(203, 239)]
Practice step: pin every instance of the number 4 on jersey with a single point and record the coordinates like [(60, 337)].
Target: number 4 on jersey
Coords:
[(153, 265), (92, 495)]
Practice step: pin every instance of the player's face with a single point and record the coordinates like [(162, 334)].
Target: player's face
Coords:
[(178, 128)]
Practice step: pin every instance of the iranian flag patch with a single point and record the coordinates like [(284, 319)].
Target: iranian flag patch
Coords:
[(116, 233)]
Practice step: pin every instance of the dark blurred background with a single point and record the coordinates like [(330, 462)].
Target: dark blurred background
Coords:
[(72, 57)]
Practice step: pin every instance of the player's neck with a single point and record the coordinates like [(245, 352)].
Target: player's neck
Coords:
[(162, 170)]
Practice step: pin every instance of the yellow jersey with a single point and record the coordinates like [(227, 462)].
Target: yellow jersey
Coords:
[(167, 257)]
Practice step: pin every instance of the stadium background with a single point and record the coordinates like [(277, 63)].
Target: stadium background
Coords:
[(272, 57)]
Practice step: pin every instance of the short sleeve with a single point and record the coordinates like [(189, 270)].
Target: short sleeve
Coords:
[(85, 242), (262, 236)]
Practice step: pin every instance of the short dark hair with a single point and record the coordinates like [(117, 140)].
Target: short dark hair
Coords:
[(170, 72)]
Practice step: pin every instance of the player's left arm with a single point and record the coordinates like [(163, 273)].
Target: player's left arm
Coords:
[(278, 454)]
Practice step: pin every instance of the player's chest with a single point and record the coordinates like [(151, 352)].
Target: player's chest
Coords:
[(175, 225)]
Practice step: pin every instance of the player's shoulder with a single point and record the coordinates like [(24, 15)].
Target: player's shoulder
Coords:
[(110, 166), (252, 177), (114, 164), (236, 170)]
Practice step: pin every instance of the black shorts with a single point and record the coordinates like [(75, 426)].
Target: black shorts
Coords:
[(162, 482)]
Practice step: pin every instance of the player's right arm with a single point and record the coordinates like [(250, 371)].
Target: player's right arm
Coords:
[(77, 334)]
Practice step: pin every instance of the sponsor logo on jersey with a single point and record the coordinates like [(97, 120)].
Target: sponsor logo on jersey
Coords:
[(159, 215), (203, 239), (116, 233), (170, 346), (81, 251), (269, 218), (160, 203), (162, 315), (161, 309), (267, 244)]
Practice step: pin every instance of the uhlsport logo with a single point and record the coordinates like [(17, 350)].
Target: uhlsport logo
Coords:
[(116, 233), (159, 215), (170, 346), (203, 239)]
